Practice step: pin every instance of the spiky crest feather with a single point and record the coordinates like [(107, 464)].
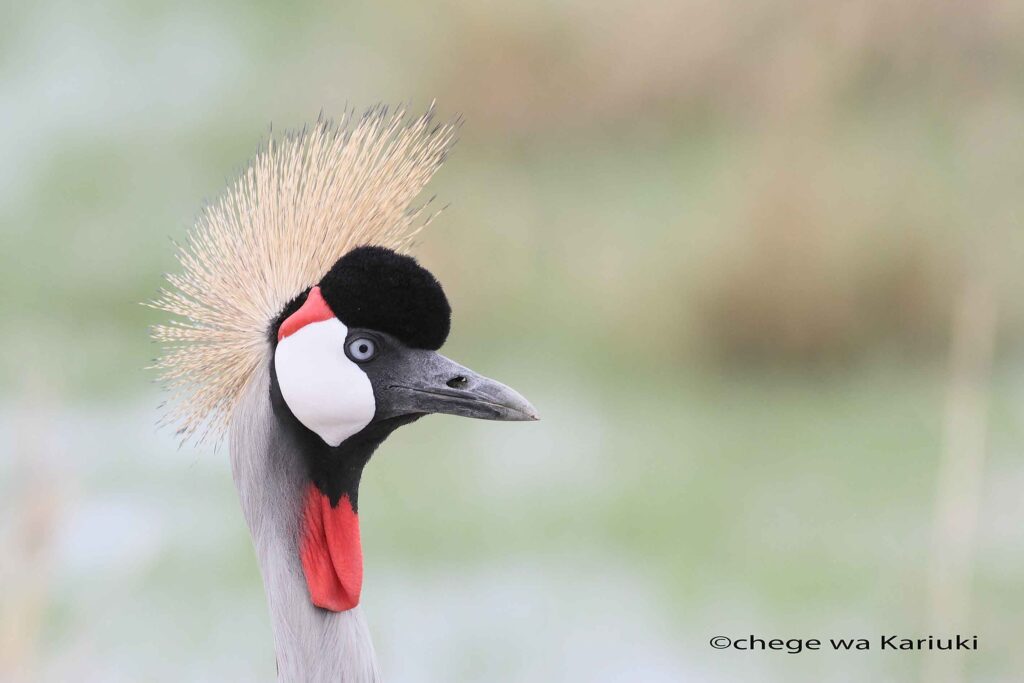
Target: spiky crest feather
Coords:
[(301, 204)]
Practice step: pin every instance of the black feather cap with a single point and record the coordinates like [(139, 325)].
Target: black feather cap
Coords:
[(380, 289)]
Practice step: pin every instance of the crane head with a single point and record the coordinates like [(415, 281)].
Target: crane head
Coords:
[(355, 358), (309, 348), (361, 347)]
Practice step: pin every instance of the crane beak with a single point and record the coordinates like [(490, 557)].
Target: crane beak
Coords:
[(431, 383)]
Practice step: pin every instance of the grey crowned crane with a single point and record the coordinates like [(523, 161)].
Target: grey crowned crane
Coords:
[(306, 336)]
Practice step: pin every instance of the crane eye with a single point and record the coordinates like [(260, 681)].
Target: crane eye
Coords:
[(362, 349)]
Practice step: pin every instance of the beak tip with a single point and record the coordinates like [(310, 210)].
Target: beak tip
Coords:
[(529, 411)]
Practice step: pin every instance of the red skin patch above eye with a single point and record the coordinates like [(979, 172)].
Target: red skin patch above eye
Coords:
[(314, 310), (332, 556)]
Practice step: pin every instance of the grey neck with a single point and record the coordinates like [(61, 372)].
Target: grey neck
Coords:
[(311, 644)]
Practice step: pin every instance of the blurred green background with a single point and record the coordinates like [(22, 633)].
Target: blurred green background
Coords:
[(756, 263)]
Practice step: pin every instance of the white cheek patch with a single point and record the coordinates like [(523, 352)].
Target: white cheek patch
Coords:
[(326, 391)]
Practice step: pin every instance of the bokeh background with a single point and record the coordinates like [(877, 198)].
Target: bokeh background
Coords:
[(757, 264)]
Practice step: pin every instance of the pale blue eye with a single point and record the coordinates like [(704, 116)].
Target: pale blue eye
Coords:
[(361, 349)]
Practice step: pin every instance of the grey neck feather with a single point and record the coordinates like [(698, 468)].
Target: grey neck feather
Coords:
[(311, 644)]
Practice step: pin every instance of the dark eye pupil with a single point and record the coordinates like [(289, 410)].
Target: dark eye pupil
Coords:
[(363, 348)]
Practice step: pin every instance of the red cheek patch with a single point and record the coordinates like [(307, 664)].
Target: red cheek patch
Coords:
[(332, 556), (314, 310)]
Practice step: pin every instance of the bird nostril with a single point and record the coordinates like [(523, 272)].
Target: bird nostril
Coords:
[(457, 382)]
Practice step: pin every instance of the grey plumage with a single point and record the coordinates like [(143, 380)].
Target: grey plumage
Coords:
[(313, 645)]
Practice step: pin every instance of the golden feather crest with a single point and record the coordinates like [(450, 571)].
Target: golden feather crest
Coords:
[(301, 204)]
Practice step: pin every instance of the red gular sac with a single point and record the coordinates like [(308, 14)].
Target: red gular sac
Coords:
[(332, 556)]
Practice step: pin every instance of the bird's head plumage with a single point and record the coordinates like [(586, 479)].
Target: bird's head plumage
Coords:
[(303, 203)]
